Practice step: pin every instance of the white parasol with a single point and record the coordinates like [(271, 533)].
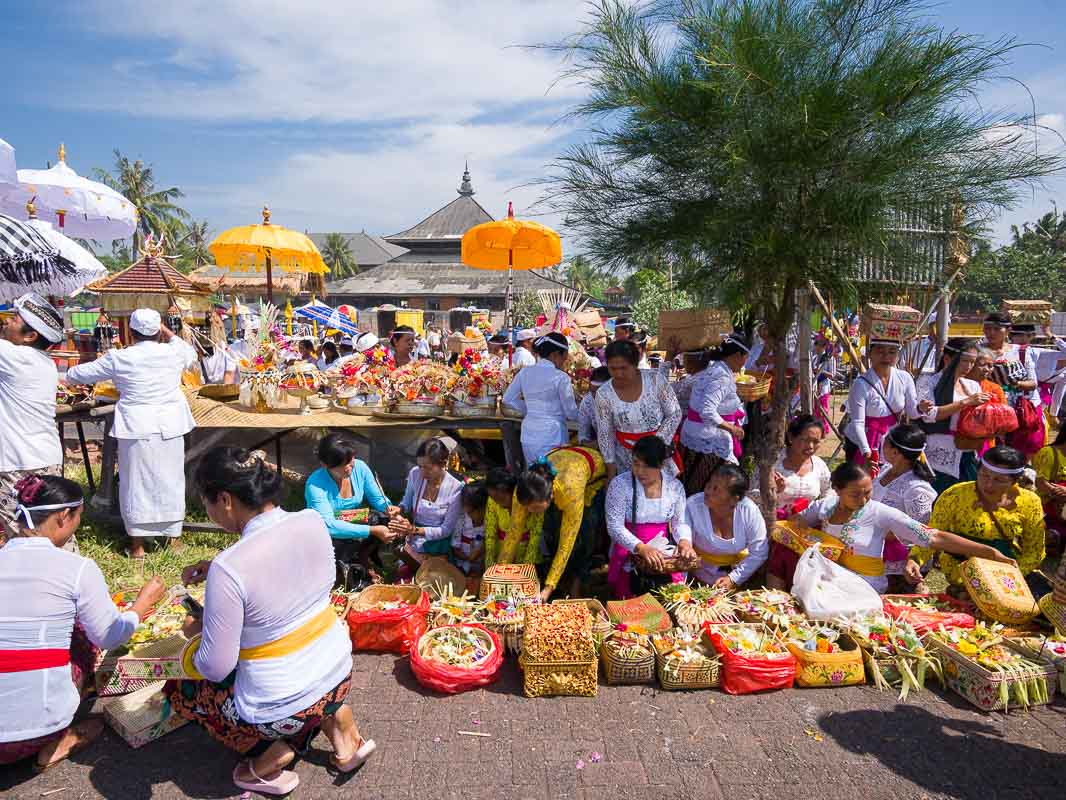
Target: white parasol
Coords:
[(81, 207), (29, 261), (88, 267)]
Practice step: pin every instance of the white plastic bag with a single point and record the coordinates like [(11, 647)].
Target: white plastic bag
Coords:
[(827, 590)]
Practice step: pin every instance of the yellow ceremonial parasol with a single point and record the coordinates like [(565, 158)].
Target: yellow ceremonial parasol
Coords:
[(251, 248), (511, 244)]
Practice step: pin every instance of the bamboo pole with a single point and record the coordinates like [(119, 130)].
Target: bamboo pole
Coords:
[(844, 340)]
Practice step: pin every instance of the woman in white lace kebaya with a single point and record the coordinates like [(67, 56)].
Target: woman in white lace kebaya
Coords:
[(646, 521), (906, 487), (712, 432), (630, 406)]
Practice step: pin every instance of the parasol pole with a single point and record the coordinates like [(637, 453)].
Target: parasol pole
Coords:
[(270, 281), (507, 310), (233, 317)]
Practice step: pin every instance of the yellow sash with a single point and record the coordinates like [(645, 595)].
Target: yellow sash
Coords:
[(292, 641), (722, 559), (869, 566)]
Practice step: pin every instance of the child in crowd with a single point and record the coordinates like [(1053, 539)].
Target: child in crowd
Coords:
[(468, 540), (586, 412)]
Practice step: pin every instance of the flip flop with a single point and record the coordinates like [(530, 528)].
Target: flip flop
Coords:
[(285, 782), (358, 758), (80, 745)]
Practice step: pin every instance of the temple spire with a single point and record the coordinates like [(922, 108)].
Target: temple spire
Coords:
[(466, 189)]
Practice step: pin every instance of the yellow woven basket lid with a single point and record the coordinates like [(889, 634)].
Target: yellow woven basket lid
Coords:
[(1056, 612)]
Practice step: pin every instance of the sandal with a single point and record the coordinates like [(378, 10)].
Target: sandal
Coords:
[(357, 759), (88, 731), (284, 783)]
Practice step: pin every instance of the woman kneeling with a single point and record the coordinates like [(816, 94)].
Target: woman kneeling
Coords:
[(644, 507), (276, 660), (728, 530)]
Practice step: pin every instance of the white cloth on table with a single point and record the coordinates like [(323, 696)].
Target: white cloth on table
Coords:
[(151, 487), (713, 396), (29, 438), (274, 579), (864, 534), (867, 399), (546, 396), (521, 357), (655, 411), (438, 517), (43, 589), (940, 449), (586, 419), (749, 533), (669, 507), (148, 378)]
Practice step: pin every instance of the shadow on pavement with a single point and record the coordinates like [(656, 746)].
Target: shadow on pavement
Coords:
[(946, 755)]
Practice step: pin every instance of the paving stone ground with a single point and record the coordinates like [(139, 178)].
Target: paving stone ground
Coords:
[(829, 744)]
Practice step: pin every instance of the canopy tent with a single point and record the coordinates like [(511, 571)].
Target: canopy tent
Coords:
[(330, 317)]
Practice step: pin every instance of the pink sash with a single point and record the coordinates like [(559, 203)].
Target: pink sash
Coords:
[(876, 428), (736, 417), (617, 577)]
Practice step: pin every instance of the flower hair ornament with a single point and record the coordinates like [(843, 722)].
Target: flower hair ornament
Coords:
[(255, 458)]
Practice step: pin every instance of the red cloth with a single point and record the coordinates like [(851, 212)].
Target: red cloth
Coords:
[(627, 440), (29, 660)]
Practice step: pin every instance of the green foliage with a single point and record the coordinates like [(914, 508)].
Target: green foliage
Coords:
[(759, 144), (338, 257), (525, 308), (586, 277), (653, 293), (157, 210), (1030, 267), (192, 246)]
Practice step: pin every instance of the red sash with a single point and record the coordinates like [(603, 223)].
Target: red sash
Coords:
[(29, 660), (627, 440), (584, 453)]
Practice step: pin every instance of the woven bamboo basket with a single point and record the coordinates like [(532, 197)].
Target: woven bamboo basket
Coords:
[(757, 389), (705, 674), (383, 593), (143, 716), (427, 639), (220, 391), (559, 678), (510, 632), (981, 686), (153, 662), (829, 669), (694, 328), (439, 577), (510, 579), (620, 670), (999, 590)]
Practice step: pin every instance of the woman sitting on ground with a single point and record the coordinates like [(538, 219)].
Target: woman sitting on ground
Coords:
[(276, 662), (906, 485), (800, 475), (728, 529), (55, 611), (566, 486), (646, 521), (340, 491), (991, 512), (862, 524), (431, 505), (500, 485)]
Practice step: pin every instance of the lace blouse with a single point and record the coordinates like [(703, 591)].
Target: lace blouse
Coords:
[(714, 395), (655, 411), (668, 508)]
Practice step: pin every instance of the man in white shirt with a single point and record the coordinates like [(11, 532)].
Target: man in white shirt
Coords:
[(29, 440), (220, 366), (151, 419), (523, 353)]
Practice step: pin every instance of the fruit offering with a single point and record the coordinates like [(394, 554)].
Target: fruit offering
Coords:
[(986, 646), (751, 641), (895, 648), (691, 606), (457, 646), (772, 606), (813, 636)]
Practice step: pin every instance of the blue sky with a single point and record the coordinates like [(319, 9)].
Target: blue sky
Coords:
[(345, 115)]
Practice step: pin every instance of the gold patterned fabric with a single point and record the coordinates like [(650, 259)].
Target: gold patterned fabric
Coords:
[(498, 522), (580, 473), (958, 510)]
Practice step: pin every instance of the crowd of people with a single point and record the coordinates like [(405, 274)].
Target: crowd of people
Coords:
[(652, 488)]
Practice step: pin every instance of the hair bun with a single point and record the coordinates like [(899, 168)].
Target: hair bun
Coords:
[(27, 489)]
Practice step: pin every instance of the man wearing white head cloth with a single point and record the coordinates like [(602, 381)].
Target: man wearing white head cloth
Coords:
[(151, 420), (523, 352), (29, 441)]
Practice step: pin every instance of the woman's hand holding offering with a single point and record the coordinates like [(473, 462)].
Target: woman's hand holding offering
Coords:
[(195, 573), (149, 596), (725, 582), (685, 550), (650, 556)]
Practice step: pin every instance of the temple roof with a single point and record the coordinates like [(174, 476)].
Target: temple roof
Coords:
[(418, 279), (450, 222), (367, 249), (150, 274)]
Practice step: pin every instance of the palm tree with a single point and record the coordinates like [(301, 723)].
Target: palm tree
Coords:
[(583, 276), (156, 211), (192, 245), (338, 257)]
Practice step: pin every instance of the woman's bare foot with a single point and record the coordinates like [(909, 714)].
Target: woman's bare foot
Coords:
[(75, 738), (136, 550)]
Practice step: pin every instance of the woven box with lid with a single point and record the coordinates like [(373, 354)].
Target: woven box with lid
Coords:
[(999, 590), (143, 716), (1028, 312), (509, 579), (694, 328), (892, 323), (559, 652)]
